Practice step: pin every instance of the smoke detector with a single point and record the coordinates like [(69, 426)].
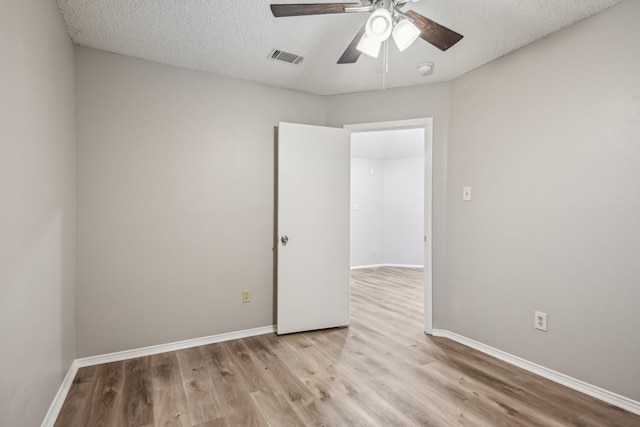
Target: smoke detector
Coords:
[(425, 68)]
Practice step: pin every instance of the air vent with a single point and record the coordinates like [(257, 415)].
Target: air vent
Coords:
[(289, 58)]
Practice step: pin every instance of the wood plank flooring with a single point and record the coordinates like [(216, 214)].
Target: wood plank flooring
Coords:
[(381, 371)]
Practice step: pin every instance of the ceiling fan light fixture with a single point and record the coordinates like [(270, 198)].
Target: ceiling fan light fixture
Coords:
[(379, 25), (369, 46), (384, 16), (404, 34)]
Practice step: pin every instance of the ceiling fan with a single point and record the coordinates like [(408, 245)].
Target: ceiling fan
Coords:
[(386, 20)]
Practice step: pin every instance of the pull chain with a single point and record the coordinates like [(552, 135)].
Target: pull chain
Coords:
[(385, 66)]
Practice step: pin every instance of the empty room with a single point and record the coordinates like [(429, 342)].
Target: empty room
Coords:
[(189, 234)]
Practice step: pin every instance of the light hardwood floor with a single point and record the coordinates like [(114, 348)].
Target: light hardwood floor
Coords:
[(381, 371)]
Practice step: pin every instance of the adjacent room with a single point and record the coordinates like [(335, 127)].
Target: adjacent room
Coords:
[(180, 236)]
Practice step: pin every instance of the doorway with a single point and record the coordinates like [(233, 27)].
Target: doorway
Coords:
[(406, 245), (387, 198)]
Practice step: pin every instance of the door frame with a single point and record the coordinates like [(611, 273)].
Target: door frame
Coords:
[(427, 124)]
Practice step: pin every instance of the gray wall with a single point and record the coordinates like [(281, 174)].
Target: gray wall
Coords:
[(390, 212), (367, 221), (403, 216), (37, 336), (549, 138), (175, 200), (175, 195)]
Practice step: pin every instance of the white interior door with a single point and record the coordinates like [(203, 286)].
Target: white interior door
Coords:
[(313, 180)]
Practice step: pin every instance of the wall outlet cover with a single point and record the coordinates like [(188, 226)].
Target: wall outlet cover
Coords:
[(540, 321)]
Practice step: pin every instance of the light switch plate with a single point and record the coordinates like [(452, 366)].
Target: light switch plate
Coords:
[(466, 194)]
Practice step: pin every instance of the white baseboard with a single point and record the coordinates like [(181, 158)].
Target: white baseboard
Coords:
[(58, 400), (358, 267), (61, 395), (576, 384), (178, 345), (404, 265)]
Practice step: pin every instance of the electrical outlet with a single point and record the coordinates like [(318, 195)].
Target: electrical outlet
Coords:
[(373, 249), (540, 321), (246, 296)]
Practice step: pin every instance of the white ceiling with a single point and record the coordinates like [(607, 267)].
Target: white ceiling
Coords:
[(388, 144), (233, 38)]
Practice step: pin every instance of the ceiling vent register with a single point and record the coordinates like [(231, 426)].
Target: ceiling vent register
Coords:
[(282, 56)]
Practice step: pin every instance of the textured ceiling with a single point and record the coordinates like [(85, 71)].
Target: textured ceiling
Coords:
[(233, 38)]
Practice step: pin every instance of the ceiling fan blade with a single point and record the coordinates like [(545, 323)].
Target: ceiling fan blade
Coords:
[(434, 33), (282, 10), (351, 55)]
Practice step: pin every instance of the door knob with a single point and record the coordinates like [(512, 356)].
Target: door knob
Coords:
[(284, 240)]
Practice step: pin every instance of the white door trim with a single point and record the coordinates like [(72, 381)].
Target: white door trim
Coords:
[(427, 124)]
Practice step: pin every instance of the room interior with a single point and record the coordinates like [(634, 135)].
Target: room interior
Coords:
[(136, 197), (387, 198)]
